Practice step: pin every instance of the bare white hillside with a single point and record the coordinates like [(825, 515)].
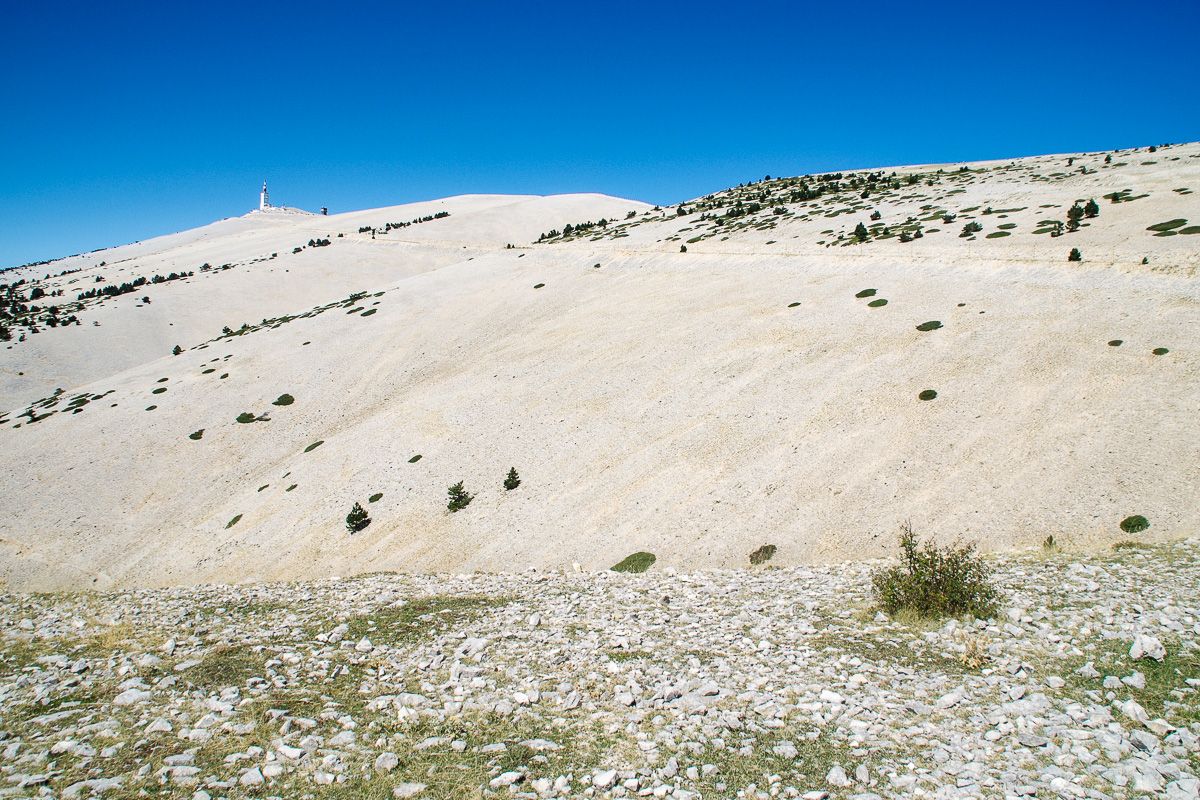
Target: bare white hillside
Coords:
[(751, 390)]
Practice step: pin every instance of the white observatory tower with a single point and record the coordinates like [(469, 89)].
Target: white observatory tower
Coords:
[(263, 198)]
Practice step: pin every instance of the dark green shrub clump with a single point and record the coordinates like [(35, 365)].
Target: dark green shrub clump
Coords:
[(932, 325), (232, 522), (314, 445), (284, 400), (1074, 255), (511, 480), (865, 293), (1116, 343), (880, 303), (1160, 351), (415, 459), (936, 581), (246, 417), (637, 562), (375, 498), (196, 435), (762, 555), (459, 498), (927, 394), (1135, 524), (357, 519)]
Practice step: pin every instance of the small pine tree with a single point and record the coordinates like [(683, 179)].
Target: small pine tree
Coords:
[(860, 232), (1108, 159), (459, 497), (357, 519), (1074, 215), (683, 248), (1075, 255), (512, 480), (1091, 209), (176, 350)]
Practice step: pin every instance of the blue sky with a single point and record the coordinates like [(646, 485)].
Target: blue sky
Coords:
[(123, 121)]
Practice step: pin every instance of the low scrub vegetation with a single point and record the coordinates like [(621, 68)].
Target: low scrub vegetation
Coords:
[(933, 581), (635, 562)]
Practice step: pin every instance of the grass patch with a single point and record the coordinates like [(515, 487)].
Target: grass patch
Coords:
[(635, 562), (225, 666), (418, 619), (1166, 692)]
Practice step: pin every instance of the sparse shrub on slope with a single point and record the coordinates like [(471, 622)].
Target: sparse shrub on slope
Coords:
[(1135, 524), (1074, 255), (762, 555), (357, 519), (936, 581), (459, 498)]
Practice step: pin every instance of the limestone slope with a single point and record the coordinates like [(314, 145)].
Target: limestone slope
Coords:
[(692, 404)]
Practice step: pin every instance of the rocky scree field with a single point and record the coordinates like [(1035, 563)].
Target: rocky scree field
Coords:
[(718, 684)]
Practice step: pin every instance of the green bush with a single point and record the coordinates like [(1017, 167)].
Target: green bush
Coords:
[(934, 581), (375, 498), (1116, 343), (459, 498), (415, 459), (865, 293), (927, 394), (1074, 255), (246, 417), (880, 303), (232, 522), (792, 305), (314, 445), (284, 400), (762, 555), (932, 325), (196, 435), (636, 562), (1160, 351), (1135, 524), (357, 519)]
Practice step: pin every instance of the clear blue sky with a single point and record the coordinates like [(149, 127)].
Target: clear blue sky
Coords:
[(121, 121)]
